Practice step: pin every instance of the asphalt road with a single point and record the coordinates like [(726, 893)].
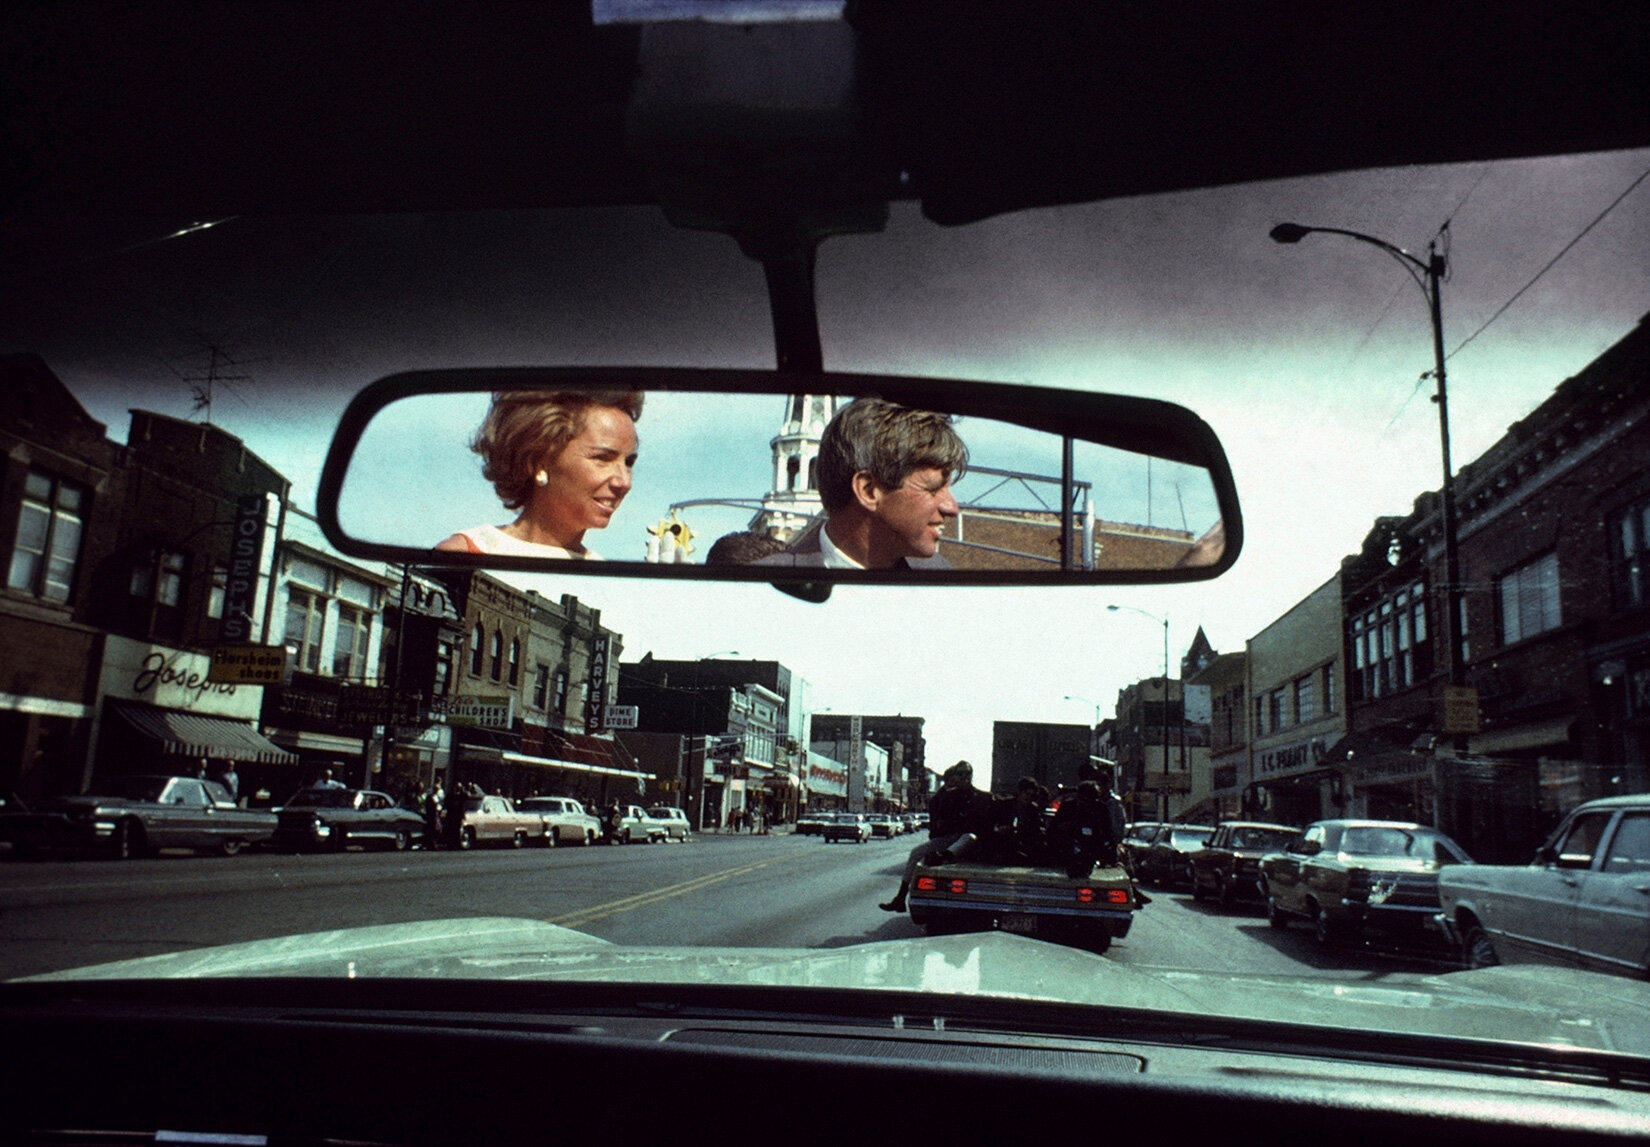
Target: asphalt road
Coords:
[(777, 891)]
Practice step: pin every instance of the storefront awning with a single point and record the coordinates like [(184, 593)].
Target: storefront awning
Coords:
[(303, 739), (191, 735), (1536, 735), (574, 766)]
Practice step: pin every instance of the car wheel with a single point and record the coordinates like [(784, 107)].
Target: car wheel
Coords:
[(518, 838), (340, 839), (624, 837), (403, 840), (466, 838), (1324, 930), (1476, 949), (1197, 888), (589, 837), (1275, 916), (1223, 892), (550, 838), (231, 847), (127, 841)]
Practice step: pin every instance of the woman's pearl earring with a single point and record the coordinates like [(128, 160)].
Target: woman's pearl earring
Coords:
[(542, 478)]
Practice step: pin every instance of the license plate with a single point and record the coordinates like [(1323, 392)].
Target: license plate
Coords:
[(1020, 923)]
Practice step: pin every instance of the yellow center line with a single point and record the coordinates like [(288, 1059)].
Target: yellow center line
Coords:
[(642, 899)]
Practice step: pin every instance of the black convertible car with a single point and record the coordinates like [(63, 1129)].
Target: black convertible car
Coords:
[(141, 814)]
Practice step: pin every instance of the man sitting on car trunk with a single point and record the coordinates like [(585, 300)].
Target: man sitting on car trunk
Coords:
[(885, 474), (958, 810)]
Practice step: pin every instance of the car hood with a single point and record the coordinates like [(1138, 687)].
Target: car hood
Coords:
[(1546, 1006)]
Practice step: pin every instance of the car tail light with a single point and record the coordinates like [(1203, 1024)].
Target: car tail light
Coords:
[(1102, 896)]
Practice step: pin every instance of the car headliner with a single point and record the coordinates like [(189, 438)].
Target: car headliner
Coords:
[(974, 106)]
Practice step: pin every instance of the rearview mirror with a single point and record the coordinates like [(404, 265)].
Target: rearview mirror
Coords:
[(1060, 486)]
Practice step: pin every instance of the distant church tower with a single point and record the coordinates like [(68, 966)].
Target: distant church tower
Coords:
[(794, 498)]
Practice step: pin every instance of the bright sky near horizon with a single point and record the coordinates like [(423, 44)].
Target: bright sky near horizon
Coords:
[(1306, 360)]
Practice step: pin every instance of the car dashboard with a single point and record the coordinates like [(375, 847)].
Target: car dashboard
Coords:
[(440, 1061)]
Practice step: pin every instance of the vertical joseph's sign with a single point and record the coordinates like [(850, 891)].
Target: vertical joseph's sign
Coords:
[(595, 700), (245, 555)]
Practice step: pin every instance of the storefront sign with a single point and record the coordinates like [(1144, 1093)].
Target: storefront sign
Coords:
[(622, 716), (172, 679), (481, 712), (246, 549), (1460, 709), (595, 704), (1290, 758), (248, 664)]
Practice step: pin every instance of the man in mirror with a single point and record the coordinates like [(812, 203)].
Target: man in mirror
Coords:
[(885, 475)]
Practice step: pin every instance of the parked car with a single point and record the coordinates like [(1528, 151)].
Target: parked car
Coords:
[(1167, 861), (569, 822), (1137, 838), (674, 820), (1228, 867), (845, 826), (140, 814), (626, 824), (1584, 901), (487, 820), (1346, 876), (336, 818)]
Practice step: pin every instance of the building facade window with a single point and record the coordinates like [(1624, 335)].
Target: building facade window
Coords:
[(1328, 690), (541, 685), (1390, 645), (478, 649), (515, 660), (349, 648), (1305, 707), (1528, 599), (219, 594), (1274, 709), (305, 617), (498, 654), (561, 693), (49, 529), (1629, 532), (443, 668), (1260, 716)]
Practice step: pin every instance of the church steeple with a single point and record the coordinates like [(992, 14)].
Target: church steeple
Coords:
[(793, 499)]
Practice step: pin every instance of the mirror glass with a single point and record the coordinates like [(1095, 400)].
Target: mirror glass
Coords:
[(714, 465)]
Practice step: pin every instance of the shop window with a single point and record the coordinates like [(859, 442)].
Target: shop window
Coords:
[(1629, 532), (49, 528), (1528, 599)]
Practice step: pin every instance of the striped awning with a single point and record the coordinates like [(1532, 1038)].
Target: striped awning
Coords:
[(192, 735)]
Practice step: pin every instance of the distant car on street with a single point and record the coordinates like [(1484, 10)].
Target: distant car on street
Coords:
[(568, 820), (1228, 867), (811, 823), (883, 825), (1583, 901), (846, 826), (139, 814), (1351, 876), (1137, 838), (335, 818)]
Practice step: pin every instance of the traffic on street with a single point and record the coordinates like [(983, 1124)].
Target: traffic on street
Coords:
[(721, 890)]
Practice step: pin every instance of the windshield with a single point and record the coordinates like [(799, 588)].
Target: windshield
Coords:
[(322, 798), (1305, 684)]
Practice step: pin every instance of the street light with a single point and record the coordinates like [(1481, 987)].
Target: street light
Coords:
[(1140, 773), (1428, 276)]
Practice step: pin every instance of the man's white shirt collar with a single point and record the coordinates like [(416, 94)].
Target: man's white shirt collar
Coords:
[(834, 558)]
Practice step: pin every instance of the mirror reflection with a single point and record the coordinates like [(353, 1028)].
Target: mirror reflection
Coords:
[(805, 480)]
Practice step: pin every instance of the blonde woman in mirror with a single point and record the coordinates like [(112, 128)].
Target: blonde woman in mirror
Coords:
[(563, 460)]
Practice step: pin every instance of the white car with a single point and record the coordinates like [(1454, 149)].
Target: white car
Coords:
[(1584, 901), (569, 822), (674, 820)]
